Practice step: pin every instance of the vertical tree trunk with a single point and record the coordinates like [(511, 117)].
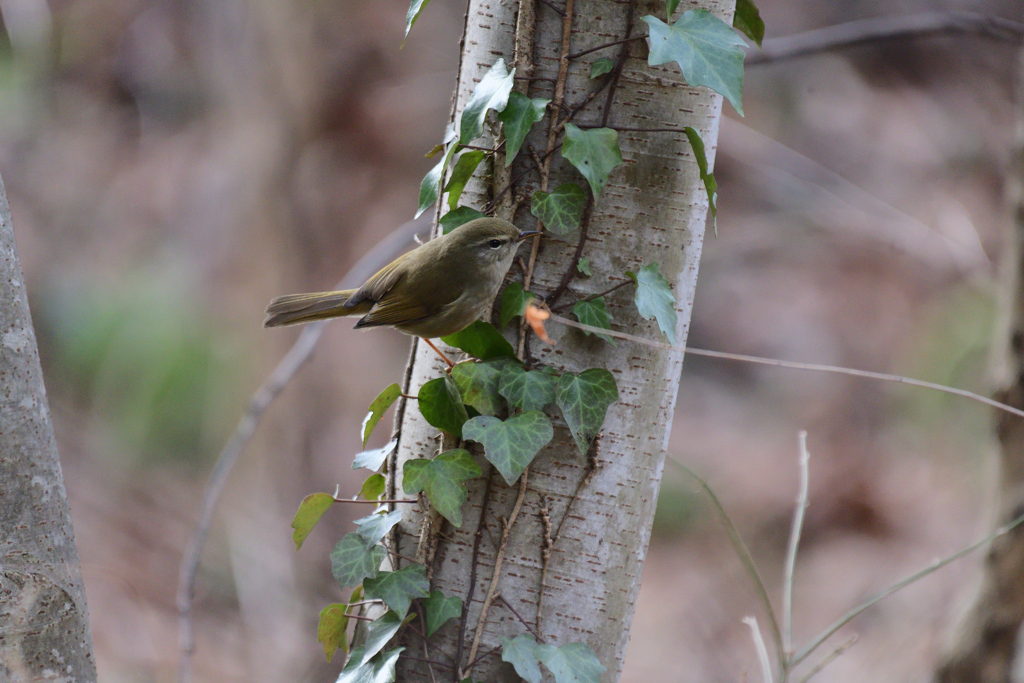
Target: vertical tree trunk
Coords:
[(987, 639), (653, 209), (44, 626)]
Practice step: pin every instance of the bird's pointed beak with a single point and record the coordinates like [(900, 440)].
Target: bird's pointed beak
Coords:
[(523, 234)]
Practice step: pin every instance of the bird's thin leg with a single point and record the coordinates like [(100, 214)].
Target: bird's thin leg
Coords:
[(445, 358)]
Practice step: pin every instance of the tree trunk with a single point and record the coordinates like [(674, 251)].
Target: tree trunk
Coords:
[(987, 638), (44, 626), (653, 209)]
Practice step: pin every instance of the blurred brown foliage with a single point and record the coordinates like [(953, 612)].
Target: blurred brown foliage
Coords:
[(173, 165)]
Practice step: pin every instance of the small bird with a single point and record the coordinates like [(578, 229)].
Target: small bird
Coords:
[(435, 290)]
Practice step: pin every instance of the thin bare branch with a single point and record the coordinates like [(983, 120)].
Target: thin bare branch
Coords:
[(794, 544), (762, 651)]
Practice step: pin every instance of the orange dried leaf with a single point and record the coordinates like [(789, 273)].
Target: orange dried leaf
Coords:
[(535, 317)]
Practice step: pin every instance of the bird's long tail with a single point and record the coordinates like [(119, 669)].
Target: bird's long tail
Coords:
[(293, 309)]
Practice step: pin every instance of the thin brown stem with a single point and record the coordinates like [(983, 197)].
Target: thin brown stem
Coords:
[(594, 296), (577, 55), (472, 569), (375, 502), (428, 661), (519, 617)]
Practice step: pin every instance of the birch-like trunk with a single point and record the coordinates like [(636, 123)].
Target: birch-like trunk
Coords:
[(44, 625), (653, 209), (987, 639)]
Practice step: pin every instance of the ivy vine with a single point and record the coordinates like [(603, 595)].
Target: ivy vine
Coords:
[(494, 399)]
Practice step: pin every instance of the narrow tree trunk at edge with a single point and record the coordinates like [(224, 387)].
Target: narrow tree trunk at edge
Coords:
[(44, 626), (653, 209)]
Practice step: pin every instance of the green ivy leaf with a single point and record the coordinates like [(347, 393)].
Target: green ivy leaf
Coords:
[(442, 480), (481, 340), (561, 209), (707, 50), (748, 20), (374, 458), (380, 631), (398, 589), (438, 609), (490, 93), (593, 152), (513, 302), (654, 299), (710, 184), (354, 559), (376, 526), (478, 384), (513, 444), (381, 669), (517, 119), (373, 487), (584, 401), (441, 405), (463, 171), (311, 509), (415, 7), (377, 409), (583, 266), (518, 652), (457, 217), (430, 186), (595, 314), (526, 390), (670, 8), (572, 663), (331, 629), (603, 65)]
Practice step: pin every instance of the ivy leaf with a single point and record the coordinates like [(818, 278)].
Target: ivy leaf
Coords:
[(584, 401), (373, 487), (331, 629), (380, 631), (441, 405), (748, 20), (572, 663), (526, 390), (706, 49), (513, 444), (517, 119), (442, 480), (376, 526), (491, 93), (670, 8), (478, 384), (398, 589), (415, 7), (595, 314), (374, 458), (593, 152), (457, 217), (604, 65), (561, 209), (377, 409), (463, 171), (311, 509), (518, 652), (710, 184), (439, 609), (430, 186), (583, 266), (654, 299), (355, 558), (384, 666), (381, 669), (481, 340), (513, 302)]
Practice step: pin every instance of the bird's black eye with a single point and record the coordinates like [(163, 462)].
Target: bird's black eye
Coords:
[(494, 244)]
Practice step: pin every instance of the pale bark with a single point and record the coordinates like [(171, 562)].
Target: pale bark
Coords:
[(987, 637), (44, 628), (653, 209)]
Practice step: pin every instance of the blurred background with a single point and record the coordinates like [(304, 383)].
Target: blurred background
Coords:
[(172, 165)]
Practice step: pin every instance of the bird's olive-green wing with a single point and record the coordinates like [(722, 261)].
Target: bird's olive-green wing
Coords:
[(380, 282), (414, 297)]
